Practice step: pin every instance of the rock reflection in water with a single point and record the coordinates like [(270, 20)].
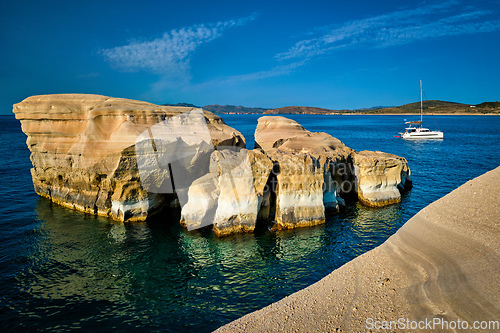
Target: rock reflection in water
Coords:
[(157, 274)]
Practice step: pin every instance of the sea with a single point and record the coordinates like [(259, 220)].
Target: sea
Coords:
[(62, 270)]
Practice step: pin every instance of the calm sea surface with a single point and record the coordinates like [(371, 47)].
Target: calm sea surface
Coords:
[(62, 270)]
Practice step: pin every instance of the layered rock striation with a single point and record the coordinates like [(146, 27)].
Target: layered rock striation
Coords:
[(83, 150), (231, 195), (129, 160), (317, 171), (380, 177), (309, 170)]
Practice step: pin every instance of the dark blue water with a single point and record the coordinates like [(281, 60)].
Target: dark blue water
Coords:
[(62, 270)]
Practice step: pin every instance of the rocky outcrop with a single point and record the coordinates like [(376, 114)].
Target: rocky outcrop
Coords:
[(299, 189), (308, 178), (243, 178), (300, 110), (316, 170), (83, 150), (128, 160), (380, 177), (276, 131), (230, 196)]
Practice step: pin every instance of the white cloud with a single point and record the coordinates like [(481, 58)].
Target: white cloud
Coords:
[(169, 55), (398, 27), (275, 71), (158, 88)]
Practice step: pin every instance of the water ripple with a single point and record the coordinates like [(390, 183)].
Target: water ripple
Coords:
[(63, 270)]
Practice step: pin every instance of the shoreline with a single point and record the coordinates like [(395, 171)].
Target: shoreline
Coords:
[(418, 114), (343, 114), (363, 114), (443, 263), (385, 114)]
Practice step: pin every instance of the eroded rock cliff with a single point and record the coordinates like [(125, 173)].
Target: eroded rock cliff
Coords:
[(230, 196), (317, 170), (83, 150), (307, 180), (129, 160), (380, 177)]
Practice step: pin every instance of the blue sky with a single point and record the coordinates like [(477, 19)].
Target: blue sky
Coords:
[(332, 54)]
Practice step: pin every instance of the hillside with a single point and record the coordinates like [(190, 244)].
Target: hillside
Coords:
[(225, 109), (182, 104), (489, 105), (430, 107), (439, 107), (300, 110)]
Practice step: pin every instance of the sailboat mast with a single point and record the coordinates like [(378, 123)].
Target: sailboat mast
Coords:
[(421, 104)]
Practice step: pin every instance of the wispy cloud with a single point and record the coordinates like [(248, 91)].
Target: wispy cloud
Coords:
[(159, 87), (275, 71), (169, 55), (399, 27)]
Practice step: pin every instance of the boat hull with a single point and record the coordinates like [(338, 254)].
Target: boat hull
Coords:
[(423, 136)]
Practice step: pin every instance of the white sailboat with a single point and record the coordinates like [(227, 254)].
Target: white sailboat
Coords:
[(420, 133)]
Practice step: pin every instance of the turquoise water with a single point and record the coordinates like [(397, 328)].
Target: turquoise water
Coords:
[(63, 270)]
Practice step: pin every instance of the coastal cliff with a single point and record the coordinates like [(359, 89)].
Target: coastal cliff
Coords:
[(316, 171), (231, 195), (310, 171), (83, 151), (129, 160), (380, 177), (291, 179)]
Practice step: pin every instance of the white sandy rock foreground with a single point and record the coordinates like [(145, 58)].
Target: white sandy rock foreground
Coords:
[(441, 267)]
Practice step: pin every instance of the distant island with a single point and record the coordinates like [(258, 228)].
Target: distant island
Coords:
[(430, 107), (224, 109)]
